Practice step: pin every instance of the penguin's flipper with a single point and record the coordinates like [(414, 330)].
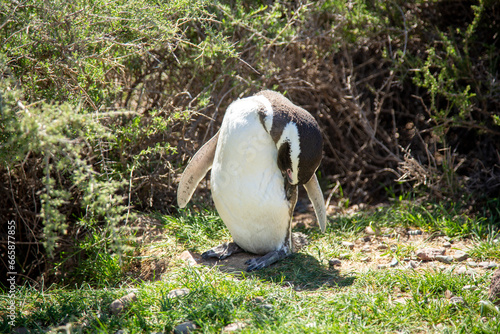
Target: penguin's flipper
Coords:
[(316, 196), (196, 170)]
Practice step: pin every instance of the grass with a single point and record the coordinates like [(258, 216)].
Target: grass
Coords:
[(299, 294)]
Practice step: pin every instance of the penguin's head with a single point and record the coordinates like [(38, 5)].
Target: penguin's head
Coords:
[(299, 152), (297, 136)]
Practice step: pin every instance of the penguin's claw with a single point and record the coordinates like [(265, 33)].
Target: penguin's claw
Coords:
[(266, 260), (222, 251)]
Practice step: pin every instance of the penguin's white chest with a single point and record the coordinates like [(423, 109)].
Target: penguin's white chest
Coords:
[(247, 186)]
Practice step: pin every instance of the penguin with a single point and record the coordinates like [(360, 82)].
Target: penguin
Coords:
[(266, 147)]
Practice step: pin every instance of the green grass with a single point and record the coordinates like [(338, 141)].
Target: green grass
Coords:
[(299, 294)]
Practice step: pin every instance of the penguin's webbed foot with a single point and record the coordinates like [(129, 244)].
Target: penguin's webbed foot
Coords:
[(222, 251), (267, 260)]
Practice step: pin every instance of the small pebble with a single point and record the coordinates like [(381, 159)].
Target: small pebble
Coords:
[(236, 326), (366, 239), (448, 294), (366, 249), (402, 300), (334, 262), (447, 244), (444, 258), (484, 264), (348, 244), (382, 247), (464, 271), (344, 256), (457, 300), (492, 265), (188, 258), (426, 254), (383, 266), (178, 293), (118, 305), (394, 262), (469, 287), (414, 232), (365, 259), (371, 231), (460, 256), (413, 264), (185, 327), (267, 306), (472, 264)]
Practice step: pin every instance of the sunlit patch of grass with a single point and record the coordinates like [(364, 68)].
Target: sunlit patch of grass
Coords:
[(198, 231), (298, 294)]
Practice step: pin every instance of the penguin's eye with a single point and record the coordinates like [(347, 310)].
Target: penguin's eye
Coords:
[(284, 160)]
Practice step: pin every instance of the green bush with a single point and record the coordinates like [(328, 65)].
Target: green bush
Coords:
[(103, 102)]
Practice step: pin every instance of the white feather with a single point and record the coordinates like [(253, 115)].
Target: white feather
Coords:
[(291, 135), (247, 186)]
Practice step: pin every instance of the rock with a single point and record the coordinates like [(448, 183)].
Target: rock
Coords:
[(460, 256), (372, 230), (492, 265), (185, 327), (365, 259), (365, 239), (236, 326), (413, 264), (267, 306), (457, 300), (120, 304), (178, 293), (402, 300), (464, 271), (366, 249), (344, 256), (488, 265), (428, 254), (446, 244), (382, 247), (469, 287), (444, 258), (494, 293), (484, 264), (472, 264), (414, 232), (394, 262), (258, 299), (348, 244), (334, 262), (188, 257)]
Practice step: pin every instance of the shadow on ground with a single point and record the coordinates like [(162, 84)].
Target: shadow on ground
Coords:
[(300, 271)]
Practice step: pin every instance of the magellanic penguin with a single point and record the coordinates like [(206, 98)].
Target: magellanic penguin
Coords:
[(265, 148)]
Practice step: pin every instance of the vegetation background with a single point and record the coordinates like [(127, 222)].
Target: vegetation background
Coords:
[(103, 102)]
